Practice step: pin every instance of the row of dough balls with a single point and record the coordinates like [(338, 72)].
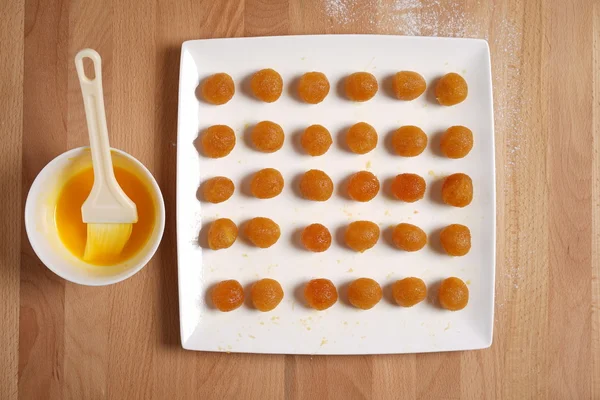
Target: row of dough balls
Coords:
[(267, 85), (363, 186), (361, 138), (359, 236), (320, 294)]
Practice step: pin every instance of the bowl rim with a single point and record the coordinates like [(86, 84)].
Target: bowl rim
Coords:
[(106, 280)]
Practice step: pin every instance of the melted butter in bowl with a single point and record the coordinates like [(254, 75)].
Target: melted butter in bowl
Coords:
[(72, 231), (57, 233)]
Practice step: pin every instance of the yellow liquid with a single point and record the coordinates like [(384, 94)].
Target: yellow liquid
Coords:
[(73, 232)]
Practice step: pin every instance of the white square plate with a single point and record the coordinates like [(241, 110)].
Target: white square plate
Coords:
[(292, 328)]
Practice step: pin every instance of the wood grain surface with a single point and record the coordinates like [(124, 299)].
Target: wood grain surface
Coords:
[(59, 340)]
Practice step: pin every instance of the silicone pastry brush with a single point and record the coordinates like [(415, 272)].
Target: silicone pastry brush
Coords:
[(108, 212)]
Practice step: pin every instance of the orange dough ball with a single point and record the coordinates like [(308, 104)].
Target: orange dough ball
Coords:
[(409, 237), (409, 187), (217, 189), (361, 86), (320, 294), (457, 142), (266, 294), (266, 183), (409, 141), (363, 186), (364, 293), (267, 136), (218, 141), (456, 239), (316, 185), (361, 138), (262, 232), (454, 294), (409, 291), (451, 89), (266, 85), (316, 140), (227, 295), (218, 89), (362, 235), (316, 237), (408, 85), (457, 190), (313, 87), (221, 234)]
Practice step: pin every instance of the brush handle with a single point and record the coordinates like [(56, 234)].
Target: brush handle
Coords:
[(93, 101), (107, 199)]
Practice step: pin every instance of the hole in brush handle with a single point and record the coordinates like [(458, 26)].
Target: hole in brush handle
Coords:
[(89, 66), (88, 69)]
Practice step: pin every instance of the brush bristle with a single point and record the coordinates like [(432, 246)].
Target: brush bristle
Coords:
[(105, 241)]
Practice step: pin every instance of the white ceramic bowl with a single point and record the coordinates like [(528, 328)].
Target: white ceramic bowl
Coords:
[(43, 235)]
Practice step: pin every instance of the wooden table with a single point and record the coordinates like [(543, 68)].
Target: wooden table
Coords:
[(60, 340)]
